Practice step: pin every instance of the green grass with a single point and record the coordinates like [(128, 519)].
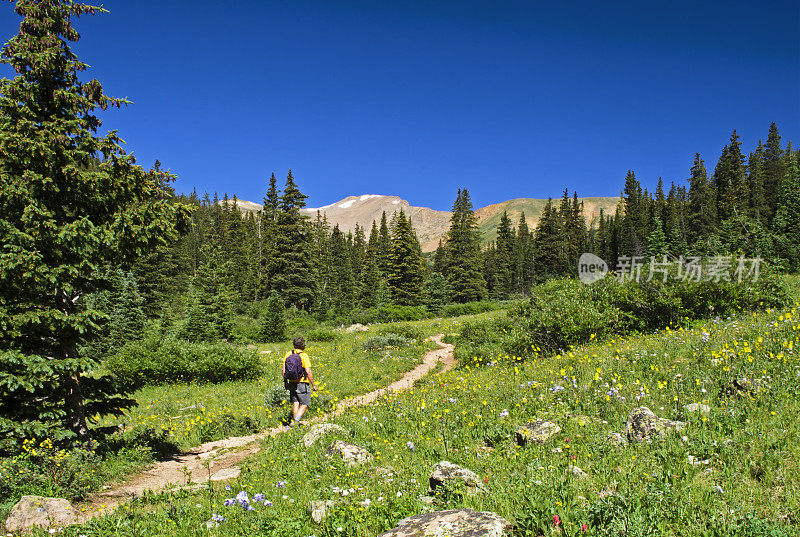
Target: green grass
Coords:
[(750, 485)]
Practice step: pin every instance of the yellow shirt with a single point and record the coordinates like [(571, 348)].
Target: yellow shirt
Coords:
[(303, 358)]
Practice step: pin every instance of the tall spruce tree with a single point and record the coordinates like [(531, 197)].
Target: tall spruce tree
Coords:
[(786, 224), (71, 203), (774, 170), (406, 266), (702, 210), (550, 253), (292, 270), (463, 247)]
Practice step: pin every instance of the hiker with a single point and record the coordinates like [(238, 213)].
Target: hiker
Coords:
[(296, 378)]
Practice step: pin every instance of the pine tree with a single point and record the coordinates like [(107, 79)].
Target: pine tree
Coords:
[(384, 241), (371, 285), (702, 210), (342, 282), (774, 170), (550, 255), (635, 217), (437, 292), (786, 224), (127, 321), (272, 321), (406, 266), (292, 271), (504, 257), (71, 203), (729, 180), (463, 247), (657, 241), (523, 257), (759, 209)]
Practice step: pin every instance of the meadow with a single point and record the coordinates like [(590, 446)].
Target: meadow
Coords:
[(732, 471)]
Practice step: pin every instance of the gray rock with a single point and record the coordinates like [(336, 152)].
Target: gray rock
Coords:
[(698, 407), (318, 431), (452, 523), (358, 327), (352, 454), (696, 461), (644, 426), (448, 474), (538, 431), (33, 511), (319, 509), (617, 439)]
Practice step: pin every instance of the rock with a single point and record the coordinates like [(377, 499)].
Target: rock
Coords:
[(447, 474), (358, 327), (226, 473), (644, 426), (538, 431), (33, 511), (698, 407), (318, 431), (452, 523), (352, 454), (617, 439), (319, 509), (576, 471)]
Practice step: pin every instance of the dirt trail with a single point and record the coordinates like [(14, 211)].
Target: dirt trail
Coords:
[(220, 458)]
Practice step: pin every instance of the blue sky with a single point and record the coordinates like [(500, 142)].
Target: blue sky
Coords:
[(417, 99)]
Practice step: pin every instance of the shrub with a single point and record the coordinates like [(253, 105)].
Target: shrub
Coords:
[(390, 313), (170, 360), (322, 334), (406, 330), (470, 308), (385, 340)]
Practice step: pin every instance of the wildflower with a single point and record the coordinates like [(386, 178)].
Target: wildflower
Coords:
[(556, 520), (230, 501), (452, 400), (280, 484), (504, 413), (242, 497), (410, 445), (217, 518), (584, 527), (268, 503), (258, 498)]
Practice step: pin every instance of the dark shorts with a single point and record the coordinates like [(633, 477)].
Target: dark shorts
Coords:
[(299, 393)]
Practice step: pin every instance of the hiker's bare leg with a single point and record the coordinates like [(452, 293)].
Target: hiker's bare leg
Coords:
[(295, 406), (299, 412)]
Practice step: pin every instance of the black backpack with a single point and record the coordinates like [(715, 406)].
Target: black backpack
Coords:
[(293, 368)]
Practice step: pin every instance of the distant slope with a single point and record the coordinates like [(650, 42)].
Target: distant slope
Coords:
[(431, 225)]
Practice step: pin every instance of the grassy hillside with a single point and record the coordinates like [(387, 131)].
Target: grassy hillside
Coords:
[(732, 470)]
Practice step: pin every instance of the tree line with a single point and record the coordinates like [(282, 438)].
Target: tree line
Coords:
[(748, 206)]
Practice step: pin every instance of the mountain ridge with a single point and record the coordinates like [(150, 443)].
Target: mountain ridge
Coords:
[(432, 225)]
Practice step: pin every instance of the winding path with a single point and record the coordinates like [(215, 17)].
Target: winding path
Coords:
[(219, 459)]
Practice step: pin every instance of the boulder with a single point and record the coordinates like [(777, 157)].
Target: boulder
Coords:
[(226, 473), (452, 523), (33, 511), (319, 509), (448, 474), (644, 426), (351, 454), (358, 327), (538, 431), (318, 431)]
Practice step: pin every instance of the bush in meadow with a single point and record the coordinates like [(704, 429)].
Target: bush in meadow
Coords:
[(156, 361)]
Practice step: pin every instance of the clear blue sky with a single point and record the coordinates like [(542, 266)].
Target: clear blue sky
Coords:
[(417, 99)]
